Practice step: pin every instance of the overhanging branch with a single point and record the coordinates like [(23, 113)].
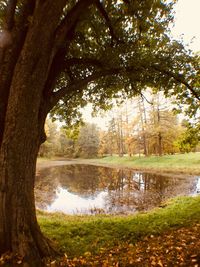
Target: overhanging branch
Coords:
[(80, 84), (10, 14), (70, 20), (179, 79), (83, 61), (107, 19)]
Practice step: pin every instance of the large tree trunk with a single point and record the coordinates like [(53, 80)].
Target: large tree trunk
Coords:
[(22, 133), (19, 231)]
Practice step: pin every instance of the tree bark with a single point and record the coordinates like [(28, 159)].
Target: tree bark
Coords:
[(143, 120), (22, 135), (19, 231)]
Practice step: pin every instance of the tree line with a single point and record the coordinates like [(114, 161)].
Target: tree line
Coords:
[(137, 127)]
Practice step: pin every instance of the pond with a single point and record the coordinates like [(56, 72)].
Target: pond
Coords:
[(88, 189)]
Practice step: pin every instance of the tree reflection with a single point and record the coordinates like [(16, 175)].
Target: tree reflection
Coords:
[(126, 190)]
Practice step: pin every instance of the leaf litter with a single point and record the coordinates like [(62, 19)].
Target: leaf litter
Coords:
[(174, 248)]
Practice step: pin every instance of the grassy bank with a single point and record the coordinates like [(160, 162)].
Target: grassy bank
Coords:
[(180, 163), (76, 235)]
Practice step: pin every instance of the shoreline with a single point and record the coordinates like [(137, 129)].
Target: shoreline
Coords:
[(55, 162)]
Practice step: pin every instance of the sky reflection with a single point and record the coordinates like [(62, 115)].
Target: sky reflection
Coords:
[(70, 203)]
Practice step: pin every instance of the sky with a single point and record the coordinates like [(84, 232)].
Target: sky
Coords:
[(187, 23)]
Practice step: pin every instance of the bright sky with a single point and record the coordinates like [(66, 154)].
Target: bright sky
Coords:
[(188, 22)]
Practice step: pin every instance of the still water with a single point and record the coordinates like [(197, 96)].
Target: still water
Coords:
[(88, 189)]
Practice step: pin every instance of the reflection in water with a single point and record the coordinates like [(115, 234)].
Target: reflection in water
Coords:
[(198, 185), (93, 189), (71, 203)]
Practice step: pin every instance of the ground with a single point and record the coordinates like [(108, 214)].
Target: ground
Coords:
[(175, 248)]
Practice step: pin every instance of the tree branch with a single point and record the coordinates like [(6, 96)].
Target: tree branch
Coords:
[(83, 61), (179, 79), (10, 14), (63, 36), (58, 63), (61, 64), (9, 57), (126, 2), (69, 21), (107, 19), (5, 34), (80, 84)]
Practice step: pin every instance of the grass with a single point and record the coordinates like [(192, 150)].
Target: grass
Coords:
[(188, 163), (76, 235), (180, 163)]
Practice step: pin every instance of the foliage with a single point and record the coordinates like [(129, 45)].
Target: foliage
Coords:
[(151, 129), (163, 127), (189, 138), (123, 47), (80, 140), (51, 146), (88, 141)]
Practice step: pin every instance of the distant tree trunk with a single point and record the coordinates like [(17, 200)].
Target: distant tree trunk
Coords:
[(160, 144), (159, 125), (120, 136), (143, 124)]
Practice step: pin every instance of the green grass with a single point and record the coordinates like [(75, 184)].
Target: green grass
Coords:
[(181, 163), (76, 235)]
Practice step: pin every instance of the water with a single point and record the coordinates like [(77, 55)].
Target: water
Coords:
[(88, 189)]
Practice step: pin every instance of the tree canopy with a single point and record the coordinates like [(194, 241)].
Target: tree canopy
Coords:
[(111, 47)]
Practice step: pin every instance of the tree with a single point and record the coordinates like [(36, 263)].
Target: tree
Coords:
[(88, 141), (189, 138), (54, 56), (50, 146), (143, 122), (66, 144)]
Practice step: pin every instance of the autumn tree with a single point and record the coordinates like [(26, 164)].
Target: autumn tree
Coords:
[(189, 138), (164, 127), (88, 141), (115, 142), (57, 55), (104, 143)]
